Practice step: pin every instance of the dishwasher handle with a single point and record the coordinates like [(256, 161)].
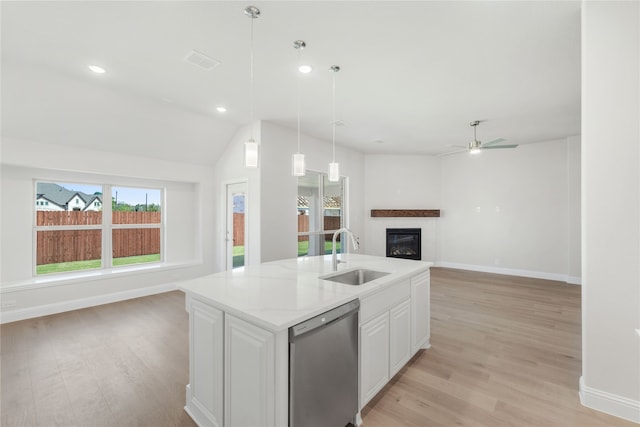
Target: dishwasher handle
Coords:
[(324, 319)]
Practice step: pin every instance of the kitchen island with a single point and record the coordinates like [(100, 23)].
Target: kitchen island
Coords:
[(239, 322)]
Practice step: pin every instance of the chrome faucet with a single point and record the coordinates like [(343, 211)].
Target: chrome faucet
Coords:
[(334, 255)]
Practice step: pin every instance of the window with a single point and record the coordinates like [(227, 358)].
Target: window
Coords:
[(69, 238), (320, 213), (136, 221)]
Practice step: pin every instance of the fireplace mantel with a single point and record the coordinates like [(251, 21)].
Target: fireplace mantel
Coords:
[(406, 213)]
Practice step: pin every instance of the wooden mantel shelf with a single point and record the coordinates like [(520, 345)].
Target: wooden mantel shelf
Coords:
[(406, 213)]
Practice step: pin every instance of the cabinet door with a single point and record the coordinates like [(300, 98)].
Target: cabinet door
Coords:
[(374, 356), (420, 300), (249, 375), (399, 336), (204, 392)]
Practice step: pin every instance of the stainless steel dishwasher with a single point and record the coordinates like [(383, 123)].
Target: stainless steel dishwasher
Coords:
[(323, 369)]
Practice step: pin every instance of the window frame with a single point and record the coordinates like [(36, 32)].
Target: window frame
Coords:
[(344, 217), (106, 228)]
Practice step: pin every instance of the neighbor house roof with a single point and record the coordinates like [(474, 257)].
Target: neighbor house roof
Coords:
[(61, 196), (329, 202)]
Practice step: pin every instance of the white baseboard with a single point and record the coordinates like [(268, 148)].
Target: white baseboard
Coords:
[(7, 316), (609, 403), (512, 272)]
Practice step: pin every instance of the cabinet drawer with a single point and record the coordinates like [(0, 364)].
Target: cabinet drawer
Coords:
[(383, 300)]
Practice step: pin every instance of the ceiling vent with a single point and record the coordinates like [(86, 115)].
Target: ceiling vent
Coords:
[(201, 60)]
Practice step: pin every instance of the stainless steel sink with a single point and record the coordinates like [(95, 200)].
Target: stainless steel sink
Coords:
[(354, 277)]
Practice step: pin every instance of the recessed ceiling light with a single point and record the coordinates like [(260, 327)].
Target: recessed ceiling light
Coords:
[(221, 109), (96, 69), (306, 69)]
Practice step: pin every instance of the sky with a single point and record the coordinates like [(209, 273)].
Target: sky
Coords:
[(132, 196)]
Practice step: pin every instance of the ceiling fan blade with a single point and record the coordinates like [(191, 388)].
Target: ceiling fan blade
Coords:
[(452, 152), (499, 146), (459, 146), (495, 141)]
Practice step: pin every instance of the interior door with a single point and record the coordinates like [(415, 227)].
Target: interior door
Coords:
[(236, 225)]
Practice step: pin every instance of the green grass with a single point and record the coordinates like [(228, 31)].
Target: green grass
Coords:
[(238, 256), (136, 259), (303, 247), (62, 267)]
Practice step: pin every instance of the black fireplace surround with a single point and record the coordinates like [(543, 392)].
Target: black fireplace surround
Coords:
[(404, 243)]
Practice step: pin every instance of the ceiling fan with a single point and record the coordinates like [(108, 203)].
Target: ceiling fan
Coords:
[(475, 146)]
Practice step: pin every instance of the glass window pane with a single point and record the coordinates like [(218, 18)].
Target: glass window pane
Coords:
[(58, 203), (135, 245), (68, 250), (308, 201), (136, 205), (332, 204)]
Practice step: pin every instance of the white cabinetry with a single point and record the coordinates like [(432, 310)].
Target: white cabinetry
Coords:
[(249, 374), (385, 337), (394, 325), (204, 392), (420, 311), (238, 369), (234, 377), (374, 356), (399, 337)]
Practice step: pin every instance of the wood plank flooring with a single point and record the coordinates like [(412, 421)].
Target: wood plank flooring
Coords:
[(122, 364), (505, 352)]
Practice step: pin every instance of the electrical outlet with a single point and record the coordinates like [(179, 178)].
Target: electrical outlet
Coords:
[(9, 303)]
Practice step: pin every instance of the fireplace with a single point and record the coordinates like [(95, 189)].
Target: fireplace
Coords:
[(404, 243)]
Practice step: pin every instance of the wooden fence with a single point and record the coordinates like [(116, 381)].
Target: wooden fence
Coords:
[(54, 246), (330, 223), (238, 229)]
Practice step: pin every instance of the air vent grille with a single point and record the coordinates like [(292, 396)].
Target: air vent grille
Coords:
[(201, 60)]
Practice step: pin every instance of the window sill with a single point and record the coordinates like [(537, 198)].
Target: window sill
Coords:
[(83, 276)]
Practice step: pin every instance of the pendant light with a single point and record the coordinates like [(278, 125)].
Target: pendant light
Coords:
[(251, 153), (334, 169), (297, 160)]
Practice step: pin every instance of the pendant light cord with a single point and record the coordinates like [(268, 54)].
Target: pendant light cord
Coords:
[(299, 85), (333, 121), (251, 82)]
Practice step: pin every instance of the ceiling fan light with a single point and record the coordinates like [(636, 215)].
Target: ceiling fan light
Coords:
[(474, 151)]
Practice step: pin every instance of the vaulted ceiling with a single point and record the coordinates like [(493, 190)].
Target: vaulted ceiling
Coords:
[(413, 74)]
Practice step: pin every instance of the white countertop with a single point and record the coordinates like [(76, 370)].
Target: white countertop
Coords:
[(279, 294)]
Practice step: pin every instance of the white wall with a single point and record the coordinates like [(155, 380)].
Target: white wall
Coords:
[(38, 106), (230, 168), (273, 191), (280, 189), (402, 182), (611, 207), (187, 253), (574, 176), (508, 211)]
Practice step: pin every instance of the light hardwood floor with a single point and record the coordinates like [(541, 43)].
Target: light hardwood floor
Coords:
[(505, 352)]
